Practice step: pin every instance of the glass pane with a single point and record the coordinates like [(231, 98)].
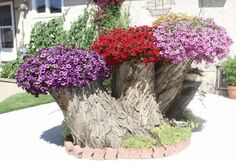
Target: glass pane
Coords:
[(7, 38), (55, 6), (5, 15), (40, 6)]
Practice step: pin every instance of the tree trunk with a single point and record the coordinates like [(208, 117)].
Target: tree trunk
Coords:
[(133, 86), (142, 94), (95, 118), (169, 80)]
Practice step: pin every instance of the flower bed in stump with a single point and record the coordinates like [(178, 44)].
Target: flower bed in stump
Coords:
[(148, 66)]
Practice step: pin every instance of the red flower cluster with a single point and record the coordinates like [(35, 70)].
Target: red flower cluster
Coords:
[(135, 44)]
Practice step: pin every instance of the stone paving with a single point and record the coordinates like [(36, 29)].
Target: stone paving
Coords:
[(7, 89)]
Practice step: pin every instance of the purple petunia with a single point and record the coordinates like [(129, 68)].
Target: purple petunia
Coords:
[(57, 67), (197, 39)]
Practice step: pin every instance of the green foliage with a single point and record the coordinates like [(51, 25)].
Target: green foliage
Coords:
[(9, 70), (65, 129), (23, 100), (114, 19), (191, 119), (168, 134), (83, 31), (111, 19), (229, 70), (139, 141), (47, 34), (107, 84)]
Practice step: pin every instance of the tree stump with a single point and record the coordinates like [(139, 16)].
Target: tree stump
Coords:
[(133, 86), (95, 119), (141, 94)]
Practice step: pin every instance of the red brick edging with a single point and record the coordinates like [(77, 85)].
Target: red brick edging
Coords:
[(123, 153)]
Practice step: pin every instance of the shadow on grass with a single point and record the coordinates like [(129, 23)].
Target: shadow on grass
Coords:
[(53, 135)]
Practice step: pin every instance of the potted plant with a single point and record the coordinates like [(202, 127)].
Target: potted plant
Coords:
[(229, 71)]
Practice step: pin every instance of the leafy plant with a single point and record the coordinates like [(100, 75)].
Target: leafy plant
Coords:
[(65, 129), (139, 141), (191, 119), (83, 31), (229, 70), (111, 18), (9, 70), (168, 134), (47, 34)]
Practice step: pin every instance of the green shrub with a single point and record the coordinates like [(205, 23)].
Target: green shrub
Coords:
[(191, 119), (47, 34), (83, 31), (229, 70), (9, 70), (113, 19), (65, 129), (168, 134), (139, 141)]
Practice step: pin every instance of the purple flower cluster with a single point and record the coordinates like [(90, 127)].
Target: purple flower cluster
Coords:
[(107, 3), (58, 67), (197, 39)]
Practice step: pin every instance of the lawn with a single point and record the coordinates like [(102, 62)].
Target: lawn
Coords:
[(22, 101)]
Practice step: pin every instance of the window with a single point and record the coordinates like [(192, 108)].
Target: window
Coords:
[(55, 6), (48, 6), (5, 15)]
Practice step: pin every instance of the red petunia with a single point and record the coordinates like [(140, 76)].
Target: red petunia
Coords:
[(135, 44)]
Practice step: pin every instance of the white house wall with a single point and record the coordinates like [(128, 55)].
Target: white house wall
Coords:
[(140, 15)]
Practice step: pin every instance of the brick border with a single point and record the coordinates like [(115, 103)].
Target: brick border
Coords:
[(123, 153)]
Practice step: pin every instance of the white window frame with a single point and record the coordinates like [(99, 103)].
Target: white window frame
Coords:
[(12, 53), (47, 10)]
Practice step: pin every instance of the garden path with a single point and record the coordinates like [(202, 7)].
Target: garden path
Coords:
[(35, 134), (8, 89)]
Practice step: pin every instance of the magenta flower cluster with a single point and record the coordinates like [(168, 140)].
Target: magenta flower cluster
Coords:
[(197, 39), (59, 67), (107, 3)]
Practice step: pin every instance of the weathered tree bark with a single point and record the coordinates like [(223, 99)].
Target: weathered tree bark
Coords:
[(142, 94), (133, 86), (169, 80), (181, 101), (137, 86), (95, 118)]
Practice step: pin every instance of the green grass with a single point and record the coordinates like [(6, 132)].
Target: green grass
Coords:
[(139, 141), (22, 101), (169, 135)]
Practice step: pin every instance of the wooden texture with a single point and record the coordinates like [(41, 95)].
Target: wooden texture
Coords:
[(141, 94)]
